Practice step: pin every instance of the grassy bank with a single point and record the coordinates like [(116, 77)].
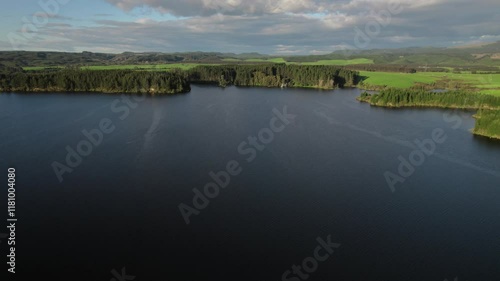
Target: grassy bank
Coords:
[(488, 123)]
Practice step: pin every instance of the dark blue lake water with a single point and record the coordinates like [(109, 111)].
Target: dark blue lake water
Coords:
[(318, 175)]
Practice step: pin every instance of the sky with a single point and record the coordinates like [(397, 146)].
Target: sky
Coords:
[(277, 27)]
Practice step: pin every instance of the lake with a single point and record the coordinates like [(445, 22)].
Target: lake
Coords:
[(308, 167)]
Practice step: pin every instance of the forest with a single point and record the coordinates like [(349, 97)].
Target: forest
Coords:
[(173, 82), (277, 75), (112, 81), (393, 97)]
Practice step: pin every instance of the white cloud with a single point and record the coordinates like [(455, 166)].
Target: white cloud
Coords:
[(274, 26), (232, 7)]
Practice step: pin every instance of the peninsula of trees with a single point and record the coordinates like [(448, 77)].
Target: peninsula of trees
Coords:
[(488, 106), (112, 81), (277, 75), (174, 82)]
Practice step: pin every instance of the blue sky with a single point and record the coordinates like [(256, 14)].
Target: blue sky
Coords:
[(284, 27)]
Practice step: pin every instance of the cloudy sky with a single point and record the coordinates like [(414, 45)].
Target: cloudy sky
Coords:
[(284, 27)]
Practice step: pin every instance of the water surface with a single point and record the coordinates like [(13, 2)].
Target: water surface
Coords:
[(322, 175)]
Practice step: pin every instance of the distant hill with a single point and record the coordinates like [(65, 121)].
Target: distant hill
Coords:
[(484, 54), (24, 58), (481, 46), (487, 55)]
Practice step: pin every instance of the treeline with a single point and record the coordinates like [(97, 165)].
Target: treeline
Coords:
[(112, 81), (4, 69), (488, 116), (73, 79), (477, 69), (453, 99), (276, 75), (394, 68)]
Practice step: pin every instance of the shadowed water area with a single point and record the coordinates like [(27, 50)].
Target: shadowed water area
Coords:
[(322, 175)]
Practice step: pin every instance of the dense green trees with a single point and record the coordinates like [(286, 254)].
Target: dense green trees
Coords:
[(113, 81), (452, 99), (275, 75), (130, 81)]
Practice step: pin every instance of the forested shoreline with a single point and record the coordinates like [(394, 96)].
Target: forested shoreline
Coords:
[(174, 82), (278, 75), (112, 81), (488, 106)]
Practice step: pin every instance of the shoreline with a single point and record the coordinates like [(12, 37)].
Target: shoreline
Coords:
[(478, 129)]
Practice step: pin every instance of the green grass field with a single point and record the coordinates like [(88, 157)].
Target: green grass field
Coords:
[(274, 60), (231, 60), (34, 68), (487, 83), (339, 62), (321, 62), (396, 80)]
